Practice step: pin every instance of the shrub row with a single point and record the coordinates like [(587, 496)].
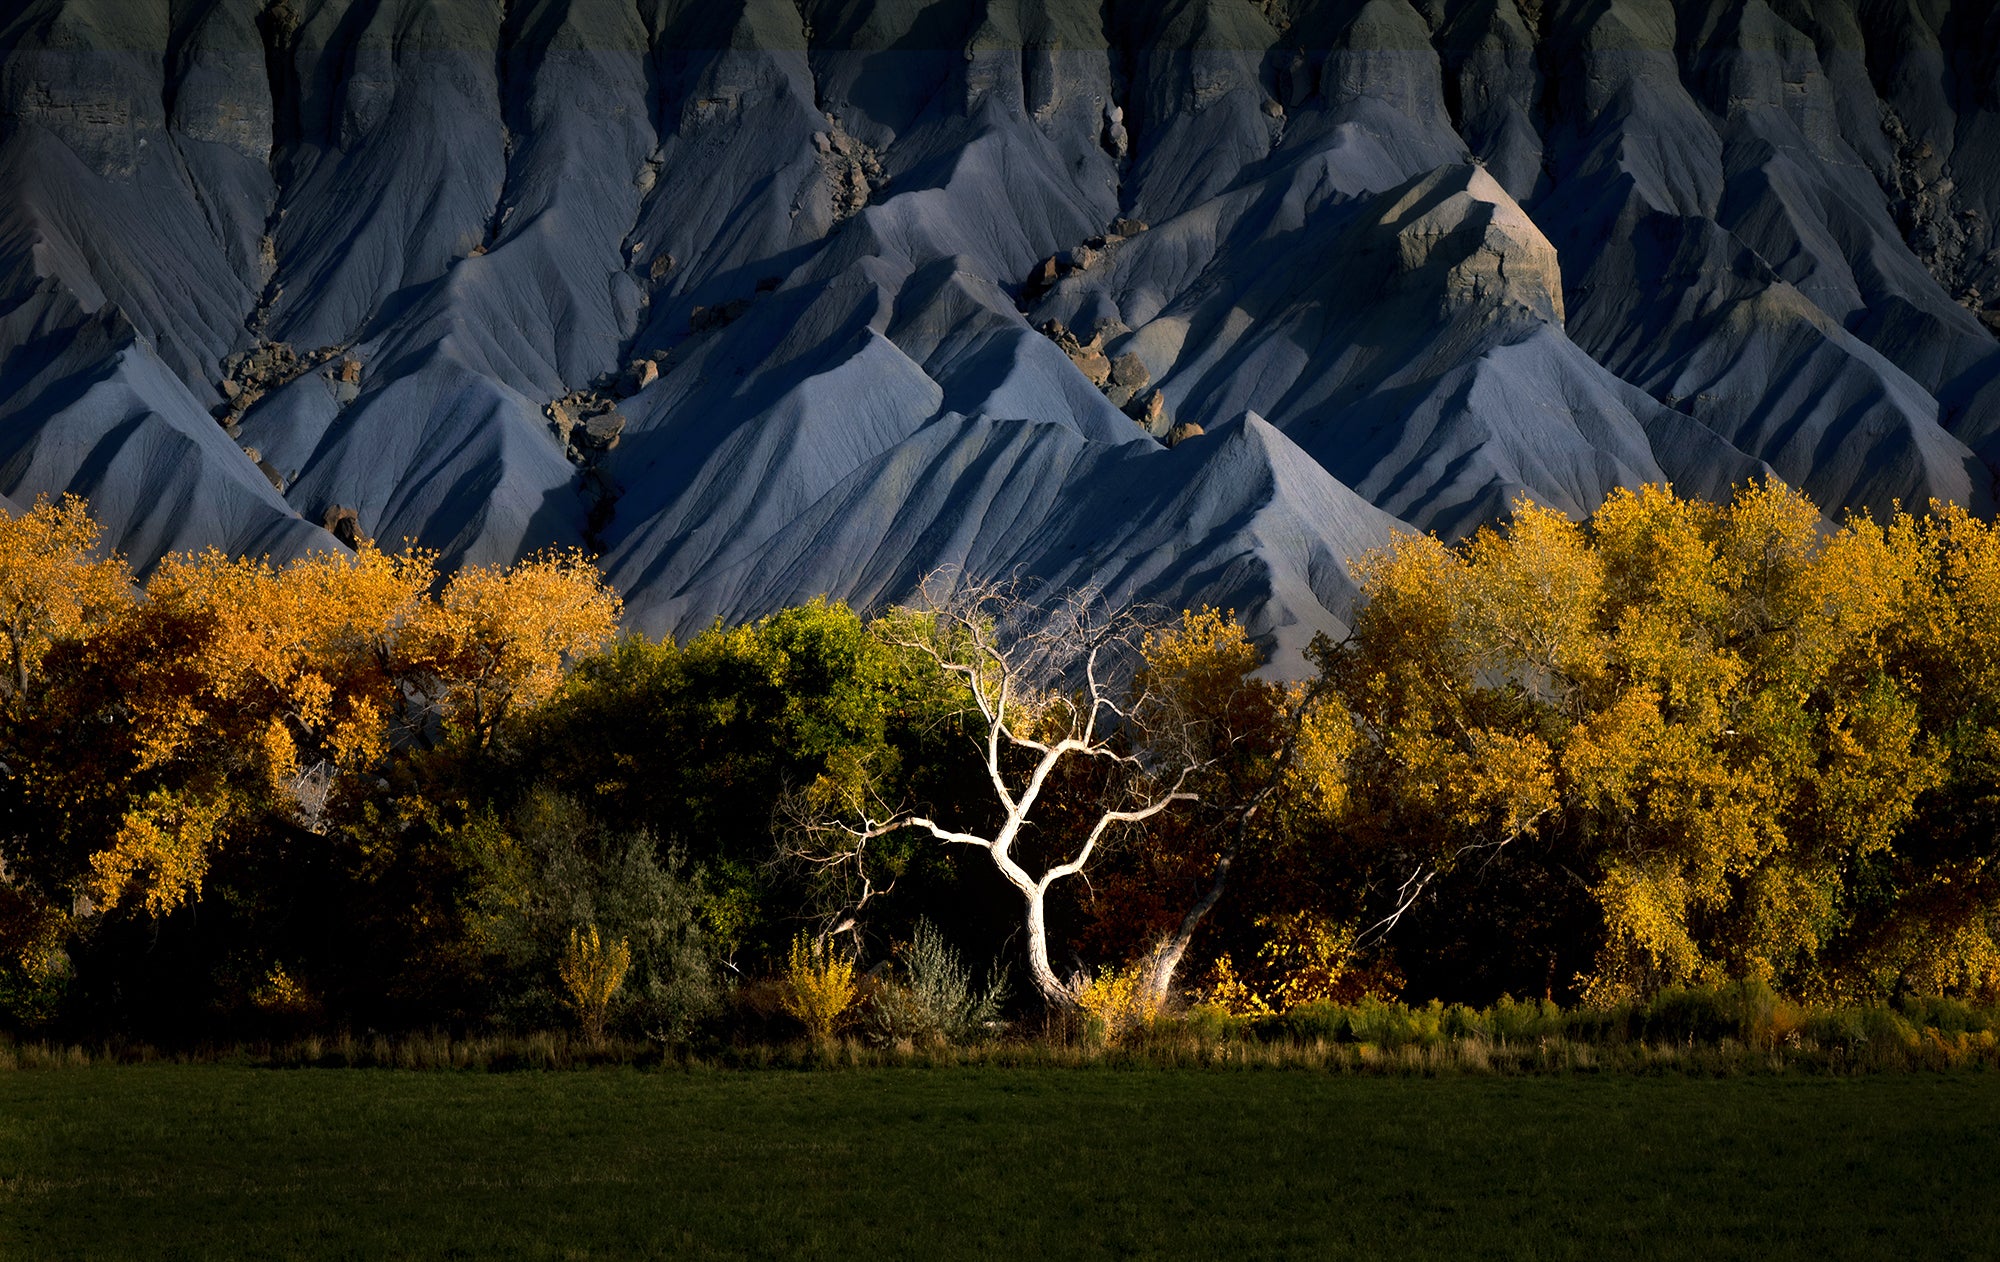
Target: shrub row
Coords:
[(1749, 1013)]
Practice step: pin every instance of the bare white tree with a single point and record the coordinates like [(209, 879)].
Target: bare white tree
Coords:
[(1045, 684)]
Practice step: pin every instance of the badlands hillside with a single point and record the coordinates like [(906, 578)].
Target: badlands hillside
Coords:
[(1195, 299)]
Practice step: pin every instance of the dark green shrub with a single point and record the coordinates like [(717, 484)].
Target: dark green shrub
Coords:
[(1524, 1021), (1620, 1023), (1391, 1025), (1691, 1015), (1461, 1022), (1886, 1029), (1319, 1021), (1763, 1018), (555, 869), (1943, 1014), (1838, 1029), (1211, 1023)]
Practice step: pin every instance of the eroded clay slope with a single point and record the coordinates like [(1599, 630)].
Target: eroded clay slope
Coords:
[(1194, 299)]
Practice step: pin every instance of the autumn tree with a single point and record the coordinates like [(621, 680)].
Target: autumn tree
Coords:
[(236, 691), (1693, 709), (1249, 739), (1446, 749), (55, 582), (497, 640), (1757, 748), (1924, 912), (274, 719)]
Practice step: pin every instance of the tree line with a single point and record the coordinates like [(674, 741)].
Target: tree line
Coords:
[(1681, 743)]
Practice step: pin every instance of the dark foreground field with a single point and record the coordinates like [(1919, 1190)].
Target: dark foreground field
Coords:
[(211, 1162)]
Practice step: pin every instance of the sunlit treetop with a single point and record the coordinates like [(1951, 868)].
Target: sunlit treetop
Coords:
[(55, 582)]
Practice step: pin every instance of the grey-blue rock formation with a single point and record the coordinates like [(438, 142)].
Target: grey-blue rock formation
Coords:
[(1191, 299)]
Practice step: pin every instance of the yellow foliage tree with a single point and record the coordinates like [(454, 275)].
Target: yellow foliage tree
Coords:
[(1938, 639), (1440, 763), (161, 850), (53, 583), (1197, 691), (498, 638), (248, 689), (301, 653), (1718, 708), (242, 695), (1755, 746)]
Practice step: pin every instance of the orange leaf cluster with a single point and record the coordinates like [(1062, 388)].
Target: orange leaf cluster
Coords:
[(236, 689)]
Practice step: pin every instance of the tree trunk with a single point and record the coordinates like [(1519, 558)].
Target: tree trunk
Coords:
[(1167, 957), (1047, 984)]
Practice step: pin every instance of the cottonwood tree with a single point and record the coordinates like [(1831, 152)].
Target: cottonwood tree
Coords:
[(240, 696), (243, 700), (1048, 690), (54, 584), (1249, 739), (1451, 658), (1702, 713), (498, 640)]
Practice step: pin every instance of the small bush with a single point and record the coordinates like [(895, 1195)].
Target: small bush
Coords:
[(1680, 1015), (1461, 1022), (1525, 1020), (1393, 1025), (1321, 1021), (592, 970), (819, 989), (936, 1001), (1211, 1023), (1838, 1029), (1885, 1029), (1617, 1023), (1227, 991), (1945, 1015), (1767, 1018), (551, 868), (1117, 1002)]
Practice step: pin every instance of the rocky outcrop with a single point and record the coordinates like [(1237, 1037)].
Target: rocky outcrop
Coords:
[(1938, 229), (1455, 234), (1123, 379), (249, 375), (852, 169), (344, 524), (588, 426)]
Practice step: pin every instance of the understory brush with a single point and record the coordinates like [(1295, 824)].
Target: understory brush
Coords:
[(935, 1001), (935, 1020)]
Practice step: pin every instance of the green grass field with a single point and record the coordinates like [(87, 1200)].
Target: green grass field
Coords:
[(1021, 1164)]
